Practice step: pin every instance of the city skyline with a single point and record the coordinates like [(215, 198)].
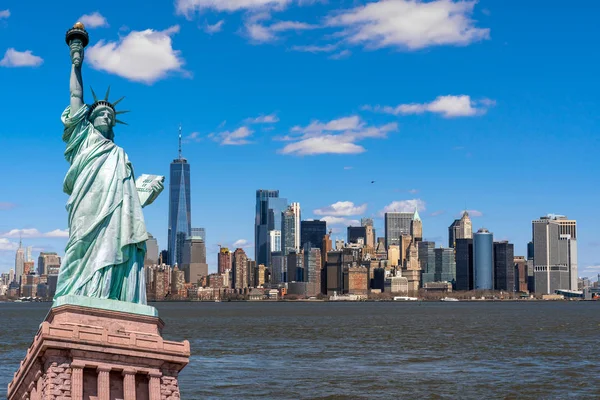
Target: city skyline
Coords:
[(250, 126)]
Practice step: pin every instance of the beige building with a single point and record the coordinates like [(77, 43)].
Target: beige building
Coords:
[(393, 255), (460, 229)]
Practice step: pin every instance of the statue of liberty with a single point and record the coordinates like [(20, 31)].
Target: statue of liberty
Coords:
[(104, 257)]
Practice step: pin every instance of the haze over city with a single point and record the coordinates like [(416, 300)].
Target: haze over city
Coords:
[(493, 111)]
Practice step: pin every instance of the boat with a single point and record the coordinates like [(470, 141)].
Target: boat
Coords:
[(449, 299), (405, 298)]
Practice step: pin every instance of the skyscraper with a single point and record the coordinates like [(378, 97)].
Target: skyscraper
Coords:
[(180, 213), (269, 215), (289, 234), (464, 264), (151, 251), (223, 260), (48, 264), (369, 231), (313, 232), (504, 266), (19, 262), (460, 229), (554, 253), (193, 262), (295, 207), (483, 260), (396, 225), (239, 269)]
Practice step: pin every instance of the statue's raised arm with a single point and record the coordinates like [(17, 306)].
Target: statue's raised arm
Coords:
[(77, 38)]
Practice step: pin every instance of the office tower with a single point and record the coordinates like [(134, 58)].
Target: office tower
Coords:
[(180, 212), (445, 265), (483, 260), (426, 261), (275, 241), (252, 272), (295, 267), (239, 269), (151, 251), (313, 232), (370, 232), (411, 269), (269, 212), (19, 262), (520, 274), (289, 234), (464, 264), (295, 208), (193, 263), (163, 257), (312, 266), (278, 268), (393, 255), (554, 254), (326, 247), (460, 229), (504, 266), (28, 257), (416, 227), (224, 262), (356, 232), (335, 277), (48, 264), (396, 225)]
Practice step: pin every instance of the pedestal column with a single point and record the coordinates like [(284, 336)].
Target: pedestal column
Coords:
[(76, 382), (154, 385), (103, 383), (129, 384)]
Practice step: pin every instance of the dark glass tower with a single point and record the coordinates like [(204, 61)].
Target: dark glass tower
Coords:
[(312, 232), (269, 209), (180, 214)]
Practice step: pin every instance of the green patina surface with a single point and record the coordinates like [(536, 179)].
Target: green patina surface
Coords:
[(106, 304)]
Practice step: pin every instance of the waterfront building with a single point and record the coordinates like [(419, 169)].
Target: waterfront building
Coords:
[(396, 284), (269, 214), (357, 278), (554, 254), (483, 260), (464, 264), (239, 270), (223, 260), (252, 272), (313, 232), (396, 225), (335, 278), (504, 266), (278, 268), (520, 274), (295, 266), (48, 264), (180, 209), (426, 260), (460, 229), (312, 265)]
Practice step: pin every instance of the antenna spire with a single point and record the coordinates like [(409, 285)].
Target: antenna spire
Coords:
[(180, 141)]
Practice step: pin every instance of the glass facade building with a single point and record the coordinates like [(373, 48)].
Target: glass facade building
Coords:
[(180, 214), (269, 216), (483, 260), (313, 232), (464, 264), (504, 266), (396, 225)]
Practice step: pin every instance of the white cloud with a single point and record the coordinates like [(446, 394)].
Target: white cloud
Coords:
[(592, 268), (263, 119), (193, 137), (338, 136), (210, 29), (413, 191), (189, 7), (436, 213), (340, 221), (449, 106), (241, 243), (341, 209), (328, 48), (404, 206), (7, 245), (342, 54), (14, 58), (409, 24), (261, 33), (348, 168), (239, 136), (4, 14), (93, 20), (142, 56), (34, 233)]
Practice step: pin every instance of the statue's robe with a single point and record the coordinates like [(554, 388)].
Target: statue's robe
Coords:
[(104, 257)]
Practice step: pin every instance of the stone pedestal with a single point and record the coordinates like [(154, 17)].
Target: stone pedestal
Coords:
[(83, 353)]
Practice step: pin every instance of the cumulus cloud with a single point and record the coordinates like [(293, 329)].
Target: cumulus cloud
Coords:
[(237, 137), (340, 221), (34, 233), (7, 245), (241, 243), (14, 58), (409, 24), (436, 213), (142, 56), (93, 20), (262, 33), (404, 206), (341, 209), (4, 13), (263, 119), (210, 29), (448, 106), (338, 136)]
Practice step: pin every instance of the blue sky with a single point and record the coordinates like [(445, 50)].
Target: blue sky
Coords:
[(488, 105)]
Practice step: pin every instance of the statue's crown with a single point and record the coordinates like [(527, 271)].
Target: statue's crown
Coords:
[(106, 103)]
